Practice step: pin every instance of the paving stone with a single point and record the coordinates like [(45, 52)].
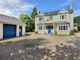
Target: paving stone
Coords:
[(21, 51), (49, 59), (53, 54), (41, 47), (45, 57), (42, 59), (12, 54)]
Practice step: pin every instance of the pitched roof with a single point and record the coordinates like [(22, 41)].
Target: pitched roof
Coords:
[(51, 13), (10, 20), (56, 12)]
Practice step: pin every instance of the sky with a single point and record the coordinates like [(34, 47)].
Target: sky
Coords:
[(16, 7)]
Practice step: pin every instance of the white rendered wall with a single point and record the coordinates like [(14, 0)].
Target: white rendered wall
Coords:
[(23, 30), (1, 30), (17, 30)]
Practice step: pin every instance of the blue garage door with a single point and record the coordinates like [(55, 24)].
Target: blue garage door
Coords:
[(9, 31)]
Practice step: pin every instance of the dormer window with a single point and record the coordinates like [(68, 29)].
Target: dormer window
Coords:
[(41, 18)]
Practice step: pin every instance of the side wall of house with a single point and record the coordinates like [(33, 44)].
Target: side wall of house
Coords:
[(23, 30), (17, 30), (38, 24), (1, 30), (71, 21), (36, 29)]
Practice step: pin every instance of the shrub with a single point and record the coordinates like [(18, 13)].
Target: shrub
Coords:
[(75, 30), (36, 32)]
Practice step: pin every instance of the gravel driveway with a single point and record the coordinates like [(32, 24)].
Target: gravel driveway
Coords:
[(40, 47)]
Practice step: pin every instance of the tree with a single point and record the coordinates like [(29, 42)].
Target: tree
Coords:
[(34, 13), (29, 20), (77, 20)]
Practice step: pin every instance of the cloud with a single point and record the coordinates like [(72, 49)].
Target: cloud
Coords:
[(77, 12), (9, 1), (64, 4), (67, 2), (5, 11), (14, 7), (26, 7)]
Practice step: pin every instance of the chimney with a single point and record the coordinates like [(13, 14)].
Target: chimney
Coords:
[(39, 12), (70, 9)]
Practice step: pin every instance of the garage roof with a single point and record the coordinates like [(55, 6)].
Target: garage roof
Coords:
[(10, 20)]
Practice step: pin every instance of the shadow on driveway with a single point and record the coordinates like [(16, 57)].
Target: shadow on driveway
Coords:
[(24, 50)]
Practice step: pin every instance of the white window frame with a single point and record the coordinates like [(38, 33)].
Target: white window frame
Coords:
[(63, 27), (62, 16), (40, 27), (41, 18)]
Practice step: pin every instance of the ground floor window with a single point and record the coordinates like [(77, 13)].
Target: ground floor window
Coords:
[(63, 27), (40, 28)]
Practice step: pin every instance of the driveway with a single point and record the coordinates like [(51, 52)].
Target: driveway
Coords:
[(49, 39), (40, 47)]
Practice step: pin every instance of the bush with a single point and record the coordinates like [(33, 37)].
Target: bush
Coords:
[(75, 30), (36, 32)]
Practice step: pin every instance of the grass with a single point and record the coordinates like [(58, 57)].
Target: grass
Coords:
[(61, 35)]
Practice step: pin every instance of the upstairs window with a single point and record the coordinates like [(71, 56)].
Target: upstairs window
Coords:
[(41, 18), (62, 17), (51, 17)]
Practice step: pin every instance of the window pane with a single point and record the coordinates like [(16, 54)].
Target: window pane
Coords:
[(40, 28), (62, 16), (59, 27), (66, 28), (41, 18), (63, 27)]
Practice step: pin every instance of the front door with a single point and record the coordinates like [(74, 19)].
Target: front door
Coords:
[(49, 30), (20, 30)]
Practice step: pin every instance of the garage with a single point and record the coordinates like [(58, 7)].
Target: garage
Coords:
[(9, 31), (11, 27)]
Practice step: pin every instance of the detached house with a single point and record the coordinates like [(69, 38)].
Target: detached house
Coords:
[(57, 22)]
